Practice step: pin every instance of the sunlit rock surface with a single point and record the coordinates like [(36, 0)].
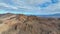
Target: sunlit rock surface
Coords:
[(22, 24)]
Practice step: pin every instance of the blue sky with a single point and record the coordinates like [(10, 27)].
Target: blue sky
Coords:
[(30, 7)]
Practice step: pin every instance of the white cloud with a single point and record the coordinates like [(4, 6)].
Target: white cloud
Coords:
[(7, 6), (30, 6)]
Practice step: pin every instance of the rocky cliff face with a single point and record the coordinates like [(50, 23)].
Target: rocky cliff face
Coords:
[(21, 24)]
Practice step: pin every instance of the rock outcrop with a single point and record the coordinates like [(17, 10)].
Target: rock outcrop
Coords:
[(21, 24)]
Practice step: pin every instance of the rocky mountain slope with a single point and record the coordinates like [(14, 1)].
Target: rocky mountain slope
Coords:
[(21, 24)]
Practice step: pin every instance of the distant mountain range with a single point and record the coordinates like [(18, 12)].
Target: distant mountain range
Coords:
[(52, 15)]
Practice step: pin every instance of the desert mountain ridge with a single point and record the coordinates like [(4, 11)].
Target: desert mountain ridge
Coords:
[(22, 24)]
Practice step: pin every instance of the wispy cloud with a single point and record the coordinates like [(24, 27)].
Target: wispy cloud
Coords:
[(7, 6), (35, 7)]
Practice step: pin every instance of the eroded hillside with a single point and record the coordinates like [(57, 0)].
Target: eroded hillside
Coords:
[(21, 24)]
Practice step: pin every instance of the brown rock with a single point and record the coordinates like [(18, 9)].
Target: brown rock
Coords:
[(21, 24)]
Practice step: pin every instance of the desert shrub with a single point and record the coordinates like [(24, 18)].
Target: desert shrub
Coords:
[(1, 22), (58, 18), (51, 19)]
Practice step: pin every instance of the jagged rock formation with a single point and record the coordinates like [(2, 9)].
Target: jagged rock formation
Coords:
[(21, 24)]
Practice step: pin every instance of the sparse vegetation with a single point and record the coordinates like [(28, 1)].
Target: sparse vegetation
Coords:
[(1, 22)]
